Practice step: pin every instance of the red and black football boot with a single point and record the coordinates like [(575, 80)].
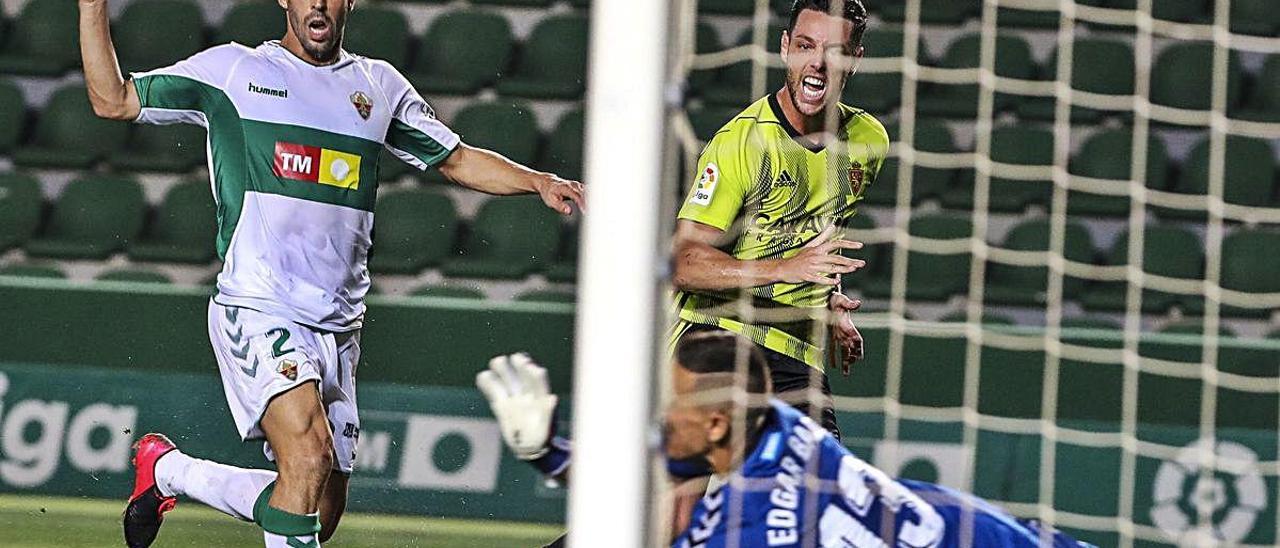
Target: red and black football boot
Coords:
[(145, 512)]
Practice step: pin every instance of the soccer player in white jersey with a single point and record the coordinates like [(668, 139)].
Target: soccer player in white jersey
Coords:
[(295, 130)]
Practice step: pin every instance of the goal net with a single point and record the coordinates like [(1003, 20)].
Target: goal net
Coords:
[(1072, 251)]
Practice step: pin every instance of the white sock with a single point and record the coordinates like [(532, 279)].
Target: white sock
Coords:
[(273, 540), (228, 489)]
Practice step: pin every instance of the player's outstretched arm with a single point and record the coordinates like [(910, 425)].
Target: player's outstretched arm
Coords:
[(521, 400), (111, 96), (700, 264), (492, 173)]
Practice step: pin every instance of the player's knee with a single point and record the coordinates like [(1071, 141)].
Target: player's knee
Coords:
[(311, 455)]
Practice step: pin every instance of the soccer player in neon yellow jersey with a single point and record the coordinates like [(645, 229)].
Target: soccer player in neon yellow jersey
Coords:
[(773, 189), (295, 131)]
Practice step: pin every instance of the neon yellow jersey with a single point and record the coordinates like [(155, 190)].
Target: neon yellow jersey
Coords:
[(772, 193)]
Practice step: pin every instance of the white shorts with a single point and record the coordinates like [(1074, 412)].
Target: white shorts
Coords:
[(261, 356)]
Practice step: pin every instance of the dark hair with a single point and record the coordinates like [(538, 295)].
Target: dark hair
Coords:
[(853, 10), (715, 350)]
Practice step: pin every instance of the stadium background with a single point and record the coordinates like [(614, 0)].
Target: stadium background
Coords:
[(106, 234)]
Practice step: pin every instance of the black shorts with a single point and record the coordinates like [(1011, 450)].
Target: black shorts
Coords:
[(791, 381)]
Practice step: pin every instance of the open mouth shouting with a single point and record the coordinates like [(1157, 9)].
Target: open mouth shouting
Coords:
[(319, 28), (813, 89)]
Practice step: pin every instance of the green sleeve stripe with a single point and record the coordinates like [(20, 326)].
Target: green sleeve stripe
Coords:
[(409, 139), (167, 91)]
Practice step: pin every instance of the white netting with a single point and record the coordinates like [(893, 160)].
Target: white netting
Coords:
[(1150, 473)]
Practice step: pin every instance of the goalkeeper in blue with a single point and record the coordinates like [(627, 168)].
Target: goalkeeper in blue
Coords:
[(785, 481)]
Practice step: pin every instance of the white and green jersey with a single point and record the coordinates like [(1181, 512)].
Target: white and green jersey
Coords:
[(293, 160)]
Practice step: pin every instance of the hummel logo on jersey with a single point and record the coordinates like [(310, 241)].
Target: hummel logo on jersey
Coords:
[(784, 181), (317, 165), (281, 93)]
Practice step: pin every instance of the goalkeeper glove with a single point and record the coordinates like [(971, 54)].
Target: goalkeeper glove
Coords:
[(522, 401)]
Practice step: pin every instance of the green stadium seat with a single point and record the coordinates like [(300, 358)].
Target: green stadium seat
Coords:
[(252, 23), (1264, 104), (414, 229), (565, 268), (33, 271), (449, 292), (1249, 264), (183, 228), (135, 275), (151, 34), (1182, 77), (43, 41), (726, 7), (1017, 145), (706, 40), (926, 182), (1256, 17), (1031, 19), (552, 62), (876, 255), (1167, 251), (510, 238), (95, 217), (547, 296), (962, 316), (13, 115), (378, 32), (451, 61), (931, 276), (392, 168), (1107, 155), (1027, 285), (1248, 179), (173, 148), (506, 127), (562, 153), (708, 120), (733, 86), (69, 135), (20, 206), (1013, 60), (1099, 65), (877, 92), (1184, 11), (941, 12)]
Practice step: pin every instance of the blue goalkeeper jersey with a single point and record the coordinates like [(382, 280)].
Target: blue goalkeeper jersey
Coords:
[(801, 488)]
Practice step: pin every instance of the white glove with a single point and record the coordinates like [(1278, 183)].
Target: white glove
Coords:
[(522, 401)]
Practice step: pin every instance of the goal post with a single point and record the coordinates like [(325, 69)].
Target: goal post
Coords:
[(619, 311)]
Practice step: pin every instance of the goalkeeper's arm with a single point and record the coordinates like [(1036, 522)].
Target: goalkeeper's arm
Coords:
[(521, 400)]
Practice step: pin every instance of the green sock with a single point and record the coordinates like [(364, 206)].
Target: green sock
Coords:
[(297, 530)]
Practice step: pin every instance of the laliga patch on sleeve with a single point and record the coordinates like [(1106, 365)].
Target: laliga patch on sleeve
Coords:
[(706, 187)]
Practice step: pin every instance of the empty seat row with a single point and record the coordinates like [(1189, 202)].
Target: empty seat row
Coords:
[(1167, 251), (1251, 172), (1099, 65), (550, 64), (97, 216), (1255, 17)]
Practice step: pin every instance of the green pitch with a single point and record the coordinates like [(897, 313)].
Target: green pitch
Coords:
[(31, 522)]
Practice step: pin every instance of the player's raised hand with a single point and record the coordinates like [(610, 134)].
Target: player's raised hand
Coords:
[(559, 193), (844, 334), (820, 262), (521, 400)]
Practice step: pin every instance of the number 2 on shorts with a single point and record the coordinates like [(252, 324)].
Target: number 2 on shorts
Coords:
[(282, 336)]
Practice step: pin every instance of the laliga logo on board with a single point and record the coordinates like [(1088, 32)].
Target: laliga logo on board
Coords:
[(1234, 494)]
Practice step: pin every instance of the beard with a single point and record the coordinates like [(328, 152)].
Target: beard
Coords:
[(324, 50)]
